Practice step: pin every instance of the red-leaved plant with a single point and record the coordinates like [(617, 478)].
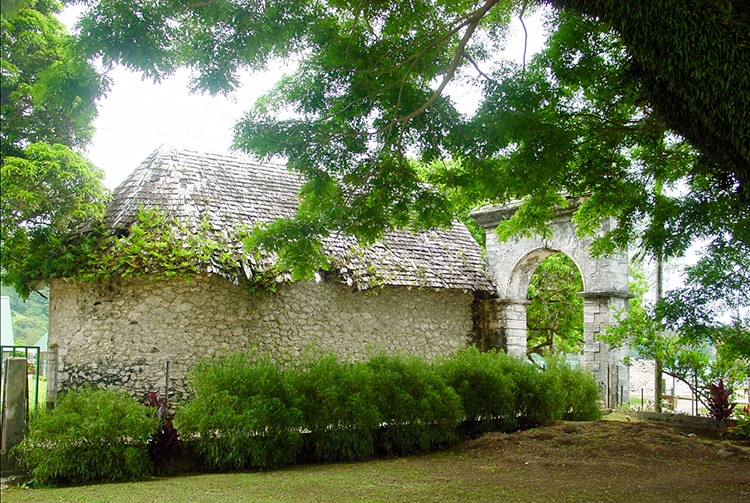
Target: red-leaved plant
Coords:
[(162, 445), (719, 407)]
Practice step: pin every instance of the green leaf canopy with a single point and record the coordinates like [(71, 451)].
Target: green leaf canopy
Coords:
[(643, 107)]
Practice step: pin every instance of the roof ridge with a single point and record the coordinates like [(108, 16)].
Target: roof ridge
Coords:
[(235, 156), (233, 190)]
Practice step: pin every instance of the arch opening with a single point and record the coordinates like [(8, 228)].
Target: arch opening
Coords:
[(554, 315), (511, 265)]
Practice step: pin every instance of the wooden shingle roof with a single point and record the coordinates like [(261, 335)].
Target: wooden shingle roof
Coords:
[(236, 192)]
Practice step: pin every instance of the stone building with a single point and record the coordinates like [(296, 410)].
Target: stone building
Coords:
[(427, 293), (418, 293)]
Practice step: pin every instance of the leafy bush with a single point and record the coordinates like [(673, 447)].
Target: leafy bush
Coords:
[(242, 414), (487, 392), (90, 435), (578, 392), (504, 393), (719, 405), (742, 428), (536, 393), (338, 408), (419, 410), (553, 393)]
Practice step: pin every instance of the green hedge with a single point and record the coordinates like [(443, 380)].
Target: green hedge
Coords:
[(91, 435), (578, 390), (419, 410), (486, 388), (338, 407), (250, 412), (242, 413)]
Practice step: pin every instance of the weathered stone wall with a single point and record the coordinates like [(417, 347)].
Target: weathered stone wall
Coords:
[(511, 265), (121, 332)]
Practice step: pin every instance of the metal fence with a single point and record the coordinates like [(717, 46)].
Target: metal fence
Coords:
[(33, 356)]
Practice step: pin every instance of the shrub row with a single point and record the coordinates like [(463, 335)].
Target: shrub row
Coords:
[(247, 411)]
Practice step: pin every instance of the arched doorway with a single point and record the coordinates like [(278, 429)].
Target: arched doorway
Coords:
[(605, 291), (554, 315)]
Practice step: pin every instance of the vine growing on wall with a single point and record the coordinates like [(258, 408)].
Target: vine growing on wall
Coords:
[(154, 246)]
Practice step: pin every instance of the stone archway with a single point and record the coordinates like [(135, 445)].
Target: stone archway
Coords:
[(605, 290)]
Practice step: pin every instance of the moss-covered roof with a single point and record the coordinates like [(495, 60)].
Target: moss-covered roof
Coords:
[(234, 192)]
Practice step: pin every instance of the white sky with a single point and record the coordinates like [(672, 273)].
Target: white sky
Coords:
[(137, 116)]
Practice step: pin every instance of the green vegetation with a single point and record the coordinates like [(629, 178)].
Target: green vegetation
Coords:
[(554, 318), (249, 412), (47, 106), (487, 390), (241, 414), (339, 408), (697, 357), (420, 412), (49, 89), (91, 435), (742, 428), (30, 317), (246, 411)]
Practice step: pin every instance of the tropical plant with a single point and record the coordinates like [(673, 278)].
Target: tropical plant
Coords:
[(742, 426), (163, 445), (90, 435), (720, 406)]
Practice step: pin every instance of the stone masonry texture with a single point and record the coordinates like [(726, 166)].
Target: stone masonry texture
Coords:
[(120, 333)]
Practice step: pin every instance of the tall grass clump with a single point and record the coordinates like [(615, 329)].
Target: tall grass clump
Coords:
[(578, 391), (537, 394), (487, 391), (241, 414), (420, 412), (338, 408), (91, 435)]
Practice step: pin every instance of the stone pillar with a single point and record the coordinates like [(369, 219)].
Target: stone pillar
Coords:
[(604, 362), (512, 315), (15, 403)]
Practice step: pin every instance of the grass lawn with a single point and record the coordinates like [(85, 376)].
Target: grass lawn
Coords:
[(599, 461), (404, 480)]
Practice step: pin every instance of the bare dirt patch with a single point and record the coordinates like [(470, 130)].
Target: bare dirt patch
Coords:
[(626, 461)]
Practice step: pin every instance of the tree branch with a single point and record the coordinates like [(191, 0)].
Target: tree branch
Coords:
[(471, 26)]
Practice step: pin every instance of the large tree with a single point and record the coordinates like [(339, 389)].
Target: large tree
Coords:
[(49, 90), (643, 106), (47, 106)]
